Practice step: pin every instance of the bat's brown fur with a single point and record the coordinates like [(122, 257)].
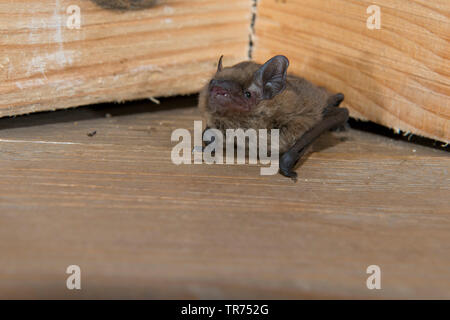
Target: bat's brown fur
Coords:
[(294, 111)]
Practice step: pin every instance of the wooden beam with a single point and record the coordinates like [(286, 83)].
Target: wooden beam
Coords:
[(398, 76), (168, 49)]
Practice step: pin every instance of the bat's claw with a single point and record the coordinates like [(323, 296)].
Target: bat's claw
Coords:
[(289, 174)]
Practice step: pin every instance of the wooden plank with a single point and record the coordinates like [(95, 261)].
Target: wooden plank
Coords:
[(398, 76), (115, 55), (141, 227)]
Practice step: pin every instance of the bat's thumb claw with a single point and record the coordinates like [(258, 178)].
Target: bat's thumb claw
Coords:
[(294, 177), (289, 174)]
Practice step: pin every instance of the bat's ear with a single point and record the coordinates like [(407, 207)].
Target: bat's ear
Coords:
[(270, 78), (219, 65)]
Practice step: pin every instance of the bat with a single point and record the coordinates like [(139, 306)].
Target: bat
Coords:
[(125, 4), (249, 95)]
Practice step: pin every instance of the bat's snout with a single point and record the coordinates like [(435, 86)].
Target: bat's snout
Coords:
[(224, 97), (220, 88), (219, 91)]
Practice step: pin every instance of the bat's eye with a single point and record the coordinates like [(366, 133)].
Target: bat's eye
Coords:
[(248, 94)]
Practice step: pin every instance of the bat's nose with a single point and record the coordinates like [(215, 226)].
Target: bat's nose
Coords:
[(223, 84), (219, 88)]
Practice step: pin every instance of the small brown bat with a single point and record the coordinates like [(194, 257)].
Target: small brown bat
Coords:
[(250, 95)]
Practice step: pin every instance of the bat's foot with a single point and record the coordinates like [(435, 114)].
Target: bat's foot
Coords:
[(287, 163), (335, 100)]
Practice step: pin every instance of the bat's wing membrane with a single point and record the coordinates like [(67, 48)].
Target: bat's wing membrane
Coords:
[(334, 117)]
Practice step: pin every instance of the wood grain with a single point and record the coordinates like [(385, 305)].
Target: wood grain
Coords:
[(142, 227), (168, 49), (398, 76)]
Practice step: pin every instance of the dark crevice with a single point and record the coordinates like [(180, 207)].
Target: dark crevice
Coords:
[(372, 127), (252, 29), (96, 111)]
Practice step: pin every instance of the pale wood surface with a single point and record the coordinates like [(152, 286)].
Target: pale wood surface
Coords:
[(168, 49), (398, 76), (141, 227)]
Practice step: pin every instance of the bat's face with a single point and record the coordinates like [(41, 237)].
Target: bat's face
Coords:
[(239, 89), (230, 96)]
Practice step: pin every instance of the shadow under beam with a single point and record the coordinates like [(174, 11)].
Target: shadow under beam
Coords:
[(96, 111)]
